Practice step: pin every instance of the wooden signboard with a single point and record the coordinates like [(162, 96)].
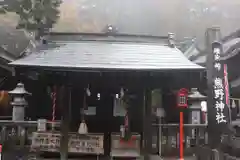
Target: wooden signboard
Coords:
[(82, 144)]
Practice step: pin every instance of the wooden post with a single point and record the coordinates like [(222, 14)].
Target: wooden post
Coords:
[(65, 95), (160, 137), (181, 136), (147, 132)]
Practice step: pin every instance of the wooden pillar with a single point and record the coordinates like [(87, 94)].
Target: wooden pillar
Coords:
[(65, 104), (147, 126)]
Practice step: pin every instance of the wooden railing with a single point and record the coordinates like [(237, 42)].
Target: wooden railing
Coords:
[(15, 138)]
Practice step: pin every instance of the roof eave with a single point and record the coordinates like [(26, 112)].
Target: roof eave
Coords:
[(78, 69)]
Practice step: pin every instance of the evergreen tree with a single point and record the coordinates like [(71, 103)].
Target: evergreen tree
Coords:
[(34, 15)]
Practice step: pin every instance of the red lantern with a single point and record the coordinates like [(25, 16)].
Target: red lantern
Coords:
[(182, 97)]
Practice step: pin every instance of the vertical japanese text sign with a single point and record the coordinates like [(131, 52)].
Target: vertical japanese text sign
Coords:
[(219, 97)]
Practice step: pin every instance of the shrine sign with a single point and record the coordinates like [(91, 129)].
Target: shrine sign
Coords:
[(219, 91), (83, 144)]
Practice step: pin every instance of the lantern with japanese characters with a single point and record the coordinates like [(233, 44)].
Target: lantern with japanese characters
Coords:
[(182, 97)]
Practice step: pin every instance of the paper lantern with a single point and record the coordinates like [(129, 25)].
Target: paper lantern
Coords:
[(182, 97)]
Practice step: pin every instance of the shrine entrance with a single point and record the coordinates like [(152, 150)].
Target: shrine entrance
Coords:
[(129, 66), (105, 113)]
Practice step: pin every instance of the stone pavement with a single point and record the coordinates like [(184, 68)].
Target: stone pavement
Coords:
[(185, 158), (152, 158), (172, 158), (155, 158)]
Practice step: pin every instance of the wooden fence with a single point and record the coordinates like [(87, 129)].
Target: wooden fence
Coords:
[(15, 138)]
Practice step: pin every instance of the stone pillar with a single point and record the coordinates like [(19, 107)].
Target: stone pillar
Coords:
[(18, 102)]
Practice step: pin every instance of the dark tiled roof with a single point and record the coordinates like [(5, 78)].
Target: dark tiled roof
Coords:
[(200, 57), (6, 55), (108, 55)]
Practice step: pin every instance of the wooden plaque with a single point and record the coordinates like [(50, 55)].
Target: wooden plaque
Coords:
[(85, 144)]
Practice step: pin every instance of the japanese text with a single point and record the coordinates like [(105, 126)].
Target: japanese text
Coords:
[(218, 88)]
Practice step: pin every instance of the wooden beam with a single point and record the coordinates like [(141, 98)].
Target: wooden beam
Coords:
[(148, 129), (64, 121)]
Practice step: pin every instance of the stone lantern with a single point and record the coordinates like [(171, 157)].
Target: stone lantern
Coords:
[(196, 101), (18, 102)]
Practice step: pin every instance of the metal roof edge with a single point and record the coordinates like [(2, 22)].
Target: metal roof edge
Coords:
[(56, 36), (61, 68), (106, 35)]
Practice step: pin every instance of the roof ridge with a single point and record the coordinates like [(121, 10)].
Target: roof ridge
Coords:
[(107, 34)]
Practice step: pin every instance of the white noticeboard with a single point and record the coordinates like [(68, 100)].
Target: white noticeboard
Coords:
[(160, 112), (42, 125), (90, 111)]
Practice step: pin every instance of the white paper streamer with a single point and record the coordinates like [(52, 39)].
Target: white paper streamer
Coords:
[(118, 110)]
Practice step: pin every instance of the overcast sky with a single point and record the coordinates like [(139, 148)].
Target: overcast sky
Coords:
[(186, 18), (155, 17)]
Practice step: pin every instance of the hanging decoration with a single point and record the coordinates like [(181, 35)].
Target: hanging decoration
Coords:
[(88, 92), (83, 129), (121, 93), (204, 111), (98, 96), (118, 109), (235, 103), (54, 100), (54, 103), (125, 128)]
